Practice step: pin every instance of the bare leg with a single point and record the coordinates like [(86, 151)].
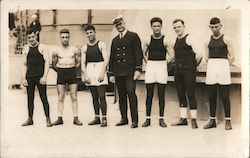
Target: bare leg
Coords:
[(61, 97), (73, 96)]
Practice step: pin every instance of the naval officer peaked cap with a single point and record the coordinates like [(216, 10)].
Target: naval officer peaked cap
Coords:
[(117, 19)]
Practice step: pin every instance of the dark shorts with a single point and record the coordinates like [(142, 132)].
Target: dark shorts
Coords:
[(66, 76)]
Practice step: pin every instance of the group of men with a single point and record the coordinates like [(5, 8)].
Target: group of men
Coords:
[(124, 64)]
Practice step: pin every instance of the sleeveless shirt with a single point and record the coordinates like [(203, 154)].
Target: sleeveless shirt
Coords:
[(93, 53), (35, 63), (156, 49), (183, 52), (217, 48)]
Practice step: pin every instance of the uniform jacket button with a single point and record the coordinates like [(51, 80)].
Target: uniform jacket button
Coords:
[(124, 60), (118, 55), (118, 61), (123, 47), (123, 54), (118, 48)]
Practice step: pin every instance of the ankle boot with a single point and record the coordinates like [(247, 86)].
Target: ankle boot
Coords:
[(181, 122), (194, 124), (76, 121), (95, 121), (104, 122), (162, 123), (59, 121), (28, 122), (146, 123), (228, 125), (211, 124), (48, 122)]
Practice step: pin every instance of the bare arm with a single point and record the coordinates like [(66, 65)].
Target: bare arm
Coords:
[(78, 58), (46, 57), (54, 61), (206, 55), (145, 50), (83, 61), (103, 49), (191, 42), (170, 49), (24, 58), (230, 49)]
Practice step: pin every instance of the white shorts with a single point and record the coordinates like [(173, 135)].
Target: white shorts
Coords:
[(156, 72), (94, 69), (218, 71)]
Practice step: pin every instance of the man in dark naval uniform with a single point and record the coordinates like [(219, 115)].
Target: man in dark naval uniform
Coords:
[(125, 66)]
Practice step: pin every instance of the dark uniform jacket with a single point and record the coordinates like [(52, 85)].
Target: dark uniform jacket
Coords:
[(126, 55), (35, 27)]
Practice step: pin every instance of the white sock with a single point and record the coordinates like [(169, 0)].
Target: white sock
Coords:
[(193, 113), (212, 118), (161, 117), (148, 117), (228, 118), (183, 112)]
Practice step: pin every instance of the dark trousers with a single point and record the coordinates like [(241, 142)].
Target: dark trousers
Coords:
[(185, 85), (161, 97), (224, 93), (32, 83), (99, 99), (126, 87)]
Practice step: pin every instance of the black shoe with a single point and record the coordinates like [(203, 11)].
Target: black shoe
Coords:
[(162, 123), (59, 121), (211, 124), (96, 121), (48, 122), (194, 124), (122, 122), (77, 122), (181, 122), (104, 123), (28, 122), (228, 125), (146, 123), (134, 125)]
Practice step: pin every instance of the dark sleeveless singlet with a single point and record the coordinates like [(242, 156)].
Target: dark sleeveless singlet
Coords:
[(217, 48), (156, 49), (183, 52), (93, 53), (35, 63)]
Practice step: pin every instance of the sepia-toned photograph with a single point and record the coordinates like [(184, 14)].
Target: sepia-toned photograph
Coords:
[(124, 79)]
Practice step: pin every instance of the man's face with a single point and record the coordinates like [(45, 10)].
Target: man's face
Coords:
[(34, 17), (178, 28), (120, 26), (91, 35), (215, 29), (64, 39), (32, 38), (156, 26)]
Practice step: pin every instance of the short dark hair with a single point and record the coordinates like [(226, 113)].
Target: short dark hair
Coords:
[(177, 20), (155, 19), (214, 20), (30, 31), (89, 27), (64, 31)]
